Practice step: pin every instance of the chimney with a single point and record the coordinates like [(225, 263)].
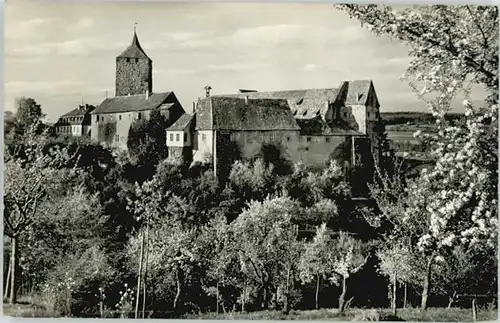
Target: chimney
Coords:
[(246, 99), (147, 94), (194, 106)]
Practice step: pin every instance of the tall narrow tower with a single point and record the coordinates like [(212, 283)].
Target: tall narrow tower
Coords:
[(134, 70)]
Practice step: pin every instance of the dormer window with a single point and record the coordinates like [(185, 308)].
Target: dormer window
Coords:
[(299, 101), (360, 96), (137, 60), (295, 112), (304, 114)]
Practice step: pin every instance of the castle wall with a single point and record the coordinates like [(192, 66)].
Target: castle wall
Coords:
[(111, 129), (204, 145), (133, 76), (313, 151)]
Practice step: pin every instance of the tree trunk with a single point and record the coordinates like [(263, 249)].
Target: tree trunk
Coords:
[(342, 295), (404, 299), (244, 296), (474, 312), (427, 284), (394, 291), (7, 280), (450, 301), (317, 291), (286, 310), (137, 299), (13, 263), (179, 287), (217, 298), (145, 270)]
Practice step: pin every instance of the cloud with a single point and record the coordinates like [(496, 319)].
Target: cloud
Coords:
[(310, 67), (236, 67), (84, 22), (27, 28), (42, 86), (293, 33)]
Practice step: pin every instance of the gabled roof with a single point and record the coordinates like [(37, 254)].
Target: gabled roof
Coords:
[(134, 50), (133, 103), (182, 122), (233, 113), (357, 92), (80, 111), (317, 126), (305, 104)]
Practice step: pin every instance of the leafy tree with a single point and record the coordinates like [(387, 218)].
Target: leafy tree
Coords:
[(28, 183), (28, 113), (265, 230), (442, 66), (334, 258)]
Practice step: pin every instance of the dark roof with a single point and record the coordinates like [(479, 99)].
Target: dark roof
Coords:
[(317, 127), (358, 91), (134, 50), (182, 122), (305, 104), (80, 111), (133, 103), (229, 113)]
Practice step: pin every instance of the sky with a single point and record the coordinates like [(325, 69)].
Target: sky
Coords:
[(62, 53)]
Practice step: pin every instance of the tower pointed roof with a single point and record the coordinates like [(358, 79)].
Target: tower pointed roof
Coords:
[(134, 50)]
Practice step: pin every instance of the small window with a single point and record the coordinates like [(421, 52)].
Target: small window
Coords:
[(171, 137), (306, 149), (288, 138), (97, 118), (177, 137), (139, 116), (327, 139), (204, 137), (308, 139), (117, 138), (185, 137), (119, 117), (128, 60), (137, 60)]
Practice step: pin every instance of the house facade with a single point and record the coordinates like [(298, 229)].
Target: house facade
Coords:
[(309, 126), (134, 100), (76, 123)]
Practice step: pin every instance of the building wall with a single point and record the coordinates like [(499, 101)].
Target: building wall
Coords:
[(176, 138), (76, 130), (111, 129), (313, 151), (133, 76), (204, 144)]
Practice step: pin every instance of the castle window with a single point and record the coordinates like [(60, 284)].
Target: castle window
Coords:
[(171, 137), (308, 139), (185, 137), (177, 137), (204, 137)]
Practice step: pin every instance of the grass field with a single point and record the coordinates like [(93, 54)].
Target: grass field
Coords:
[(26, 309)]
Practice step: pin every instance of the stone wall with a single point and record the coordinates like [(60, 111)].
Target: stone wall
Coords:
[(133, 76)]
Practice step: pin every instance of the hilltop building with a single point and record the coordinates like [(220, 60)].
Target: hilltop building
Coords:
[(310, 126), (134, 99), (76, 122)]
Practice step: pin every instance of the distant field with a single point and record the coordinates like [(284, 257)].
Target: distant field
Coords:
[(415, 118)]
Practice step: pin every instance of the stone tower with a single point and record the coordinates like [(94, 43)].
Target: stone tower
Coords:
[(134, 71)]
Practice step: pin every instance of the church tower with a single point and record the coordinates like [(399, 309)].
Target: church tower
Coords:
[(134, 70)]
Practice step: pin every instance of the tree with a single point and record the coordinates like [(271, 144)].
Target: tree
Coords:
[(28, 113), (28, 182), (396, 263), (452, 47), (336, 259), (313, 264), (265, 230)]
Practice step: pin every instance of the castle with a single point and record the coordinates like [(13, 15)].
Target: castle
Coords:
[(309, 126)]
